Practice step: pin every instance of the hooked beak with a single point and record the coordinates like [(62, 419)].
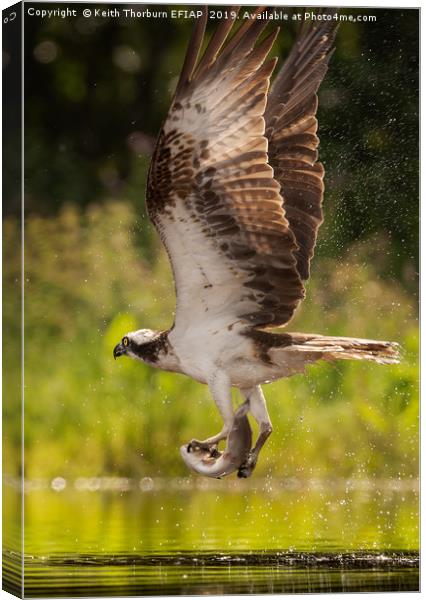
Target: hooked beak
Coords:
[(119, 350)]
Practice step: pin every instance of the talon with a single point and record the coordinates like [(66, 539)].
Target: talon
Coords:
[(193, 446), (247, 468), (244, 473), (214, 452), (196, 445)]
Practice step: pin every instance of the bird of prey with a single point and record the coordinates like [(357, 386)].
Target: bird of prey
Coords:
[(235, 192)]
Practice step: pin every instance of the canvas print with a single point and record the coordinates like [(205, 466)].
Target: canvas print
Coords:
[(210, 292)]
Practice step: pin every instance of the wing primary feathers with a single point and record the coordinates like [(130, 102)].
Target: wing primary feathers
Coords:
[(265, 45), (291, 129), (192, 53), (216, 43), (304, 55), (254, 26)]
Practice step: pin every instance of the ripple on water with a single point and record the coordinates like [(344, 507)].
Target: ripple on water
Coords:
[(186, 573)]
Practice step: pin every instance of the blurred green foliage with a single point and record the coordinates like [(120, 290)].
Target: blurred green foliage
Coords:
[(87, 284)]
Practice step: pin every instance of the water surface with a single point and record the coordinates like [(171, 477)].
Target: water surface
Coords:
[(195, 536)]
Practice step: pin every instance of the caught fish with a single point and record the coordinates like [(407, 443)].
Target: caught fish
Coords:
[(213, 463)]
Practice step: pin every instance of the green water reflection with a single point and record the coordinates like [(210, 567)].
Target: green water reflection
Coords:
[(73, 537), (221, 517)]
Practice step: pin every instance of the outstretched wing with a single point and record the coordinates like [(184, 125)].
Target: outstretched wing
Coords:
[(212, 194), (291, 127)]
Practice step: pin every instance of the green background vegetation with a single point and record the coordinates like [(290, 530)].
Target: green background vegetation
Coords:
[(96, 93)]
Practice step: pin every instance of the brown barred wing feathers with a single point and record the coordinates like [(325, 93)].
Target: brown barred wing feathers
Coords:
[(291, 128), (212, 193)]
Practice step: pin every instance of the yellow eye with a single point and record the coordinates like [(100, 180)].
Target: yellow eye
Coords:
[(125, 341)]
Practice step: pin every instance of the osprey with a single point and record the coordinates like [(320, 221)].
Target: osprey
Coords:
[(235, 192)]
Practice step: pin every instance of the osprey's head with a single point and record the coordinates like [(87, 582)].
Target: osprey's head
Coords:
[(141, 344)]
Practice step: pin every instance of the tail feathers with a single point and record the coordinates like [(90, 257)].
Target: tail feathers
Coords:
[(337, 348)]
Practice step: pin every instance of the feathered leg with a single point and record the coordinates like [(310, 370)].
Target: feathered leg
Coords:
[(260, 412), (220, 388)]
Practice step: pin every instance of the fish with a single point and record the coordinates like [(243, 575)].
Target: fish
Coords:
[(210, 462)]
